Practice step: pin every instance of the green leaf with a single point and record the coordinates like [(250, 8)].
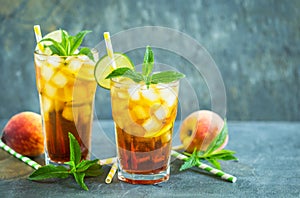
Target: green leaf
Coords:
[(219, 140), (148, 61), (87, 51), (79, 178), (72, 166), (53, 49), (190, 162), (64, 40), (57, 45), (223, 155), (125, 72), (94, 170), (85, 164), (215, 163), (49, 171), (75, 152), (78, 40), (166, 77)]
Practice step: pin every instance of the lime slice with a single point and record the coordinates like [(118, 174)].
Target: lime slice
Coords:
[(55, 35), (104, 67)]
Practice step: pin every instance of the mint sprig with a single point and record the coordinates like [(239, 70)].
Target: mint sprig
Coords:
[(146, 74), (210, 155), (79, 169), (69, 44)]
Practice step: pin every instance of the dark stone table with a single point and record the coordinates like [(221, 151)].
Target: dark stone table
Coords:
[(269, 166)]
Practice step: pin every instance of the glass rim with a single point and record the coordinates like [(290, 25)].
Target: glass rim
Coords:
[(132, 83), (36, 52)]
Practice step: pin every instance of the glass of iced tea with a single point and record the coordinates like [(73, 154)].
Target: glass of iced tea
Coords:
[(66, 88), (144, 119), (144, 108)]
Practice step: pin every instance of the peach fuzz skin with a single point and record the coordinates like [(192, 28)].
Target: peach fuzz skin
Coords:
[(23, 133)]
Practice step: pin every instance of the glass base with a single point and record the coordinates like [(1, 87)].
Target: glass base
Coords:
[(49, 161), (144, 178)]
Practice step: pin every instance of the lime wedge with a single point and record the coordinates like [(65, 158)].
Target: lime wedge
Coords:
[(104, 67)]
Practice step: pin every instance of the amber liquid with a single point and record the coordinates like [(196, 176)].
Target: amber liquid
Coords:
[(141, 155), (57, 140)]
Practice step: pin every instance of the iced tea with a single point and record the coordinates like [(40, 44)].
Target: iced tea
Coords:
[(144, 118), (66, 89)]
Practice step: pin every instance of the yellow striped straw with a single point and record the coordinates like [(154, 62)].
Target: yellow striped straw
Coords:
[(108, 161), (38, 37), (109, 49), (111, 173)]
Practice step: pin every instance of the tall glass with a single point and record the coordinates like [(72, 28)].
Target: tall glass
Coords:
[(144, 119), (66, 89)]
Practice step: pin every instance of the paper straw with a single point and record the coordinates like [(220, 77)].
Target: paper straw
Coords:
[(108, 161), (205, 167), (38, 37), (111, 173), (28, 161), (179, 147), (109, 49)]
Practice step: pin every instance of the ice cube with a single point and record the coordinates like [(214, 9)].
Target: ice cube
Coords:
[(134, 92), (59, 79), (47, 104), (150, 94), (139, 112), (162, 112), (122, 94), (68, 113), (50, 90), (47, 72), (54, 61), (152, 124), (68, 93), (75, 64), (169, 96)]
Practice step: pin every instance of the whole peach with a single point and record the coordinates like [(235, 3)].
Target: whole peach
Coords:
[(199, 129), (23, 133)]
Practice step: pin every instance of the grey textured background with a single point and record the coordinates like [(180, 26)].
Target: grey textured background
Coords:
[(255, 43)]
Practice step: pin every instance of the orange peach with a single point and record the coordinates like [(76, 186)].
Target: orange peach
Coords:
[(23, 133), (199, 129)]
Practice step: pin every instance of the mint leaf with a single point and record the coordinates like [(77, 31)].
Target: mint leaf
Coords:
[(75, 152), (78, 40), (87, 51), (94, 170), (190, 162), (214, 162), (85, 164), (219, 140), (125, 72), (49, 171), (79, 177), (65, 41), (62, 51), (166, 77), (148, 62)]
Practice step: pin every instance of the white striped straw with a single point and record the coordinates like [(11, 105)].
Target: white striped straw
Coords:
[(109, 49), (38, 37), (108, 161), (205, 167), (28, 161), (111, 173)]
